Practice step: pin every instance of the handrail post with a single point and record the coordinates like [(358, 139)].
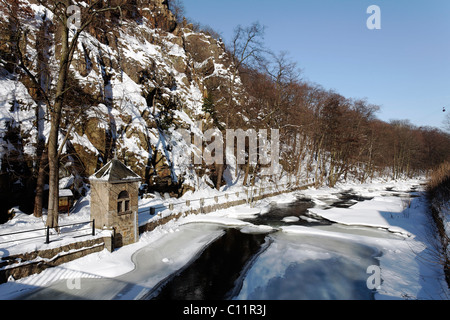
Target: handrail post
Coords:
[(47, 237)]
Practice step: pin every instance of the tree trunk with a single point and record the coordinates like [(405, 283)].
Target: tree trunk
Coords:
[(39, 197), (220, 168), (53, 162), (247, 169), (43, 47), (55, 113)]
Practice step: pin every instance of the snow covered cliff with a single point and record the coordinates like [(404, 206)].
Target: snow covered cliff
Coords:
[(136, 77)]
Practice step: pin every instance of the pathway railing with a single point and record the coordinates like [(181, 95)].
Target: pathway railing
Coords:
[(47, 232), (249, 195)]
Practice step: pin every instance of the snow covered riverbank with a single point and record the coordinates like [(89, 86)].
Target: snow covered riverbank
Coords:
[(397, 230), (409, 264)]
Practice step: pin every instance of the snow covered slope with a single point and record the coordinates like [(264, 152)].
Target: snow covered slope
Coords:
[(135, 79)]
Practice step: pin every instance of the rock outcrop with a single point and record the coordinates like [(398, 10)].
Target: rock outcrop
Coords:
[(139, 76)]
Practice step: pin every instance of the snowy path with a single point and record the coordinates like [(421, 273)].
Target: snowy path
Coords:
[(153, 263)]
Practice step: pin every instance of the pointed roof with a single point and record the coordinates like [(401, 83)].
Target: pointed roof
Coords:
[(115, 172)]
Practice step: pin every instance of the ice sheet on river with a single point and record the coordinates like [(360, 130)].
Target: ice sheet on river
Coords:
[(384, 213), (153, 263), (299, 267)]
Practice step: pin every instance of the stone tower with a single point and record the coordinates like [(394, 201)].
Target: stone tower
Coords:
[(114, 201)]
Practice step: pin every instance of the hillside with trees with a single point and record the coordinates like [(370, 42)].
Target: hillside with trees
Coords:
[(122, 77)]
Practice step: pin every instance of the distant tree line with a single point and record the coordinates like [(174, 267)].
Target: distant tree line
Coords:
[(324, 134)]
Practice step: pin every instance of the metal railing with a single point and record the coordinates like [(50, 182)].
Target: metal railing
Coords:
[(92, 230), (249, 194), (48, 233)]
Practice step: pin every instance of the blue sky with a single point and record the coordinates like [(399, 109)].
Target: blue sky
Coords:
[(404, 67)]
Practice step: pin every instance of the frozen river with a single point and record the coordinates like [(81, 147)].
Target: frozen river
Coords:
[(208, 261), (252, 265), (324, 244), (278, 266)]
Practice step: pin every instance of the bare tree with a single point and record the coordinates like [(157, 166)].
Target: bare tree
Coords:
[(68, 34), (34, 71), (447, 123), (246, 49), (68, 45), (177, 8), (247, 44)]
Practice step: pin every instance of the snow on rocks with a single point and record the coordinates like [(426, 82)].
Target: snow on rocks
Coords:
[(290, 219)]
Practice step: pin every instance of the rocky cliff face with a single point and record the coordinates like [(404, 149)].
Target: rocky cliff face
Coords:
[(136, 77)]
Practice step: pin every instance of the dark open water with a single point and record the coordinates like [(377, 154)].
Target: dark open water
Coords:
[(220, 271)]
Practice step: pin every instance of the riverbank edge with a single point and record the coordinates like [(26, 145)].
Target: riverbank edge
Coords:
[(34, 262), (438, 195), (172, 225), (153, 224)]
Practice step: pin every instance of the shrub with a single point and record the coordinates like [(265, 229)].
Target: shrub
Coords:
[(440, 178), (439, 197)]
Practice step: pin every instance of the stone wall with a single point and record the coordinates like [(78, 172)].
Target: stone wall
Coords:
[(104, 199), (99, 204), (211, 208), (123, 223), (23, 265)]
